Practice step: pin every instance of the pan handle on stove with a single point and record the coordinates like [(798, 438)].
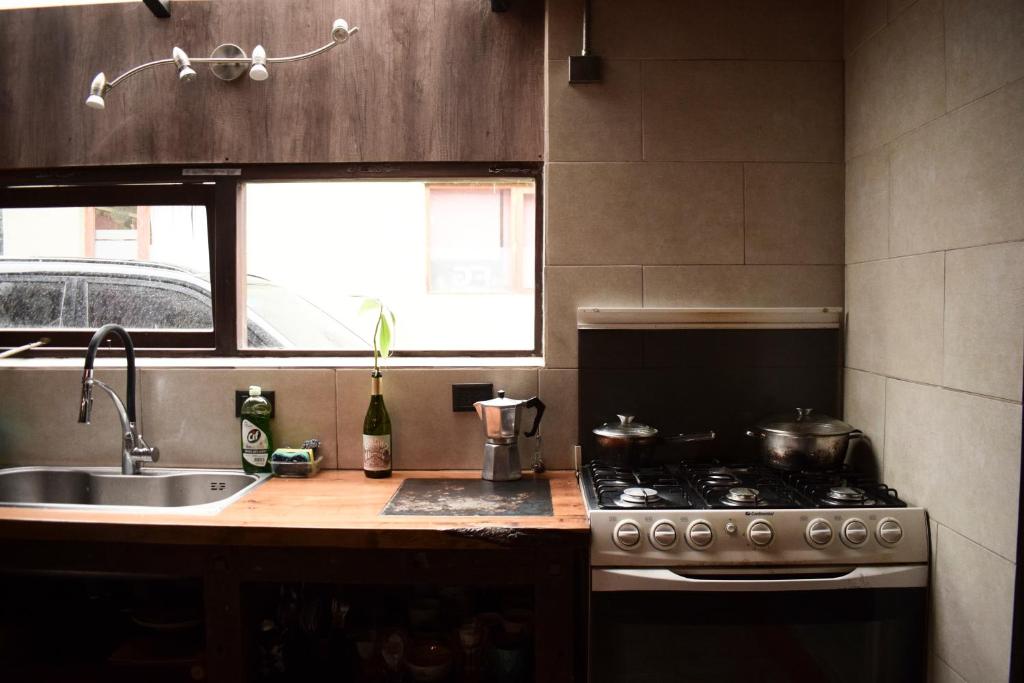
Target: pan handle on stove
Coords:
[(781, 580), (691, 438)]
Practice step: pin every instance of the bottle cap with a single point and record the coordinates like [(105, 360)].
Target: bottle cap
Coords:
[(255, 391)]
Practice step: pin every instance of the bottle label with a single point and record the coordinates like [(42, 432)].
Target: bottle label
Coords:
[(255, 445), (376, 452)]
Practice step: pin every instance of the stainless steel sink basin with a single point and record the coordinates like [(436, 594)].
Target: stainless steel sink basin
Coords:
[(105, 488)]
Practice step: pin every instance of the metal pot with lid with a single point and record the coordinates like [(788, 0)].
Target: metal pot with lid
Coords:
[(629, 443), (803, 440)]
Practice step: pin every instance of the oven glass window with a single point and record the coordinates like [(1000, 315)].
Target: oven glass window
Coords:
[(841, 636)]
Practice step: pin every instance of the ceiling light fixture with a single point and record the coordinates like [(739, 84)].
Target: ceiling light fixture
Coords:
[(227, 62)]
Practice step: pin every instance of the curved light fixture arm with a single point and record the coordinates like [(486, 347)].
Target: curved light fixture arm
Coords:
[(340, 33)]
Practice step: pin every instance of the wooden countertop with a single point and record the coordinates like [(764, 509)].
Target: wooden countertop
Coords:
[(337, 508)]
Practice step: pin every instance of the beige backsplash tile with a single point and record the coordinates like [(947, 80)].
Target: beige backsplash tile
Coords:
[(972, 608), (867, 207), (959, 182), (743, 111), (567, 288), (39, 418), (671, 286), (793, 213), (896, 80), (426, 434), (192, 412), (559, 389), (984, 47), (984, 320), (864, 408), (958, 455), (862, 18), (598, 121), (633, 213), (894, 317)]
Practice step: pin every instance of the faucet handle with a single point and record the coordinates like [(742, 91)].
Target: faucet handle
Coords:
[(145, 453)]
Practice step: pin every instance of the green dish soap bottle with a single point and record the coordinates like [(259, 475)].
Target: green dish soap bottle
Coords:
[(257, 443)]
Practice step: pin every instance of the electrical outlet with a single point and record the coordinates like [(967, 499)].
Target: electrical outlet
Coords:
[(242, 394), (465, 395)]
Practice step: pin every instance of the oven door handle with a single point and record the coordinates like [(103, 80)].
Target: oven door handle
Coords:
[(895, 576)]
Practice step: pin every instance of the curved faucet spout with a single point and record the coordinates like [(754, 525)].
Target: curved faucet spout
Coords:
[(134, 450)]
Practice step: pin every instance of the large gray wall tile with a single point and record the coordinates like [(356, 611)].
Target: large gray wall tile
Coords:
[(864, 408), (861, 19), (567, 288), (793, 213), (743, 111), (867, 207), (426, 434), (984, 320), (958, 455), (959, 182), (670, 286), (896, 80), (940, 672), (191, 412), (598, 121), (559, 389), (972, 608), (612, 213), (895, 311), (701, 29), (984, 47), (39, 418)]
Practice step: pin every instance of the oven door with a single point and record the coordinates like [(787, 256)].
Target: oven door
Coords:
[(840, 625)]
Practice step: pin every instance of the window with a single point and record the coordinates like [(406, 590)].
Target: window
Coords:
[(276, 260)]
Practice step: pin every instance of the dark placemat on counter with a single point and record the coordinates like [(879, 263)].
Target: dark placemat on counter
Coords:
[(471, 497)]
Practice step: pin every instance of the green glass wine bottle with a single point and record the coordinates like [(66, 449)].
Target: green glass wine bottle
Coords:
[(376, 434)]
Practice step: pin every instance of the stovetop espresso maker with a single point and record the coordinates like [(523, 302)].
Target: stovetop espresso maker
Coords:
[(502, 418)]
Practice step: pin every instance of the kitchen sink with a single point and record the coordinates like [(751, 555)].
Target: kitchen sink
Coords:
[(105, 488)]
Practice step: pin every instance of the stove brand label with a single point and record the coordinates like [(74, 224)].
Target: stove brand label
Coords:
[(759, 513)]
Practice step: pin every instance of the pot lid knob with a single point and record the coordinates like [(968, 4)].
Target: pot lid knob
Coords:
[(803, 413), (626, 419), (501, 394)]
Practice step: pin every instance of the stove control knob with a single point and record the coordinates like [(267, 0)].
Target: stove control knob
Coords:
[(855, 533), (663, 534), (819, 533), (699, 535), (889, 532), (760, 533), (627, 535)]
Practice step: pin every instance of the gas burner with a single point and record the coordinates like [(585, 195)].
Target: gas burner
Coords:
[(846, 494), (742, 496), (638, 497)]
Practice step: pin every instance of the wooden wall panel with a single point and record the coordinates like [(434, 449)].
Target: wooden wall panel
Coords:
[(424, 80)]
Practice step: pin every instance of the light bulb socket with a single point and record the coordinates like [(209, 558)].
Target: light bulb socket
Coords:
[(95, 102), (185, 71), (97, 89), (339, 31), (258, 71)]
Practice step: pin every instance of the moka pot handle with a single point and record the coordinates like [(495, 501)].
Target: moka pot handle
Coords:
[(539, 405)]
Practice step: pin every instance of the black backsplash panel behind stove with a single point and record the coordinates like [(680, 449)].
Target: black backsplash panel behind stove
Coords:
[(700, 380)]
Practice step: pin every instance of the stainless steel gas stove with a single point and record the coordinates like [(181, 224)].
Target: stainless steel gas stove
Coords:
[(734, 572)]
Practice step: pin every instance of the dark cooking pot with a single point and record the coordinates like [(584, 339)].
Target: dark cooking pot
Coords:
[(628, 443), (801, 440)]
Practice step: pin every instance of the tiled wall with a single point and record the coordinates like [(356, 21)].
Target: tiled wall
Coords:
[(705, 169), (935, 292)]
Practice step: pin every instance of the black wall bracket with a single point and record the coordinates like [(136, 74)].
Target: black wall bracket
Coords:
[(159, 8)]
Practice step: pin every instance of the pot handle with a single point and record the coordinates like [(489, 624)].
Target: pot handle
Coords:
[(856, 434), (691, 438), (756, 435), (539, 405)]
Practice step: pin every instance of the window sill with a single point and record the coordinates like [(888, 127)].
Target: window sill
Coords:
[(296, 362)]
